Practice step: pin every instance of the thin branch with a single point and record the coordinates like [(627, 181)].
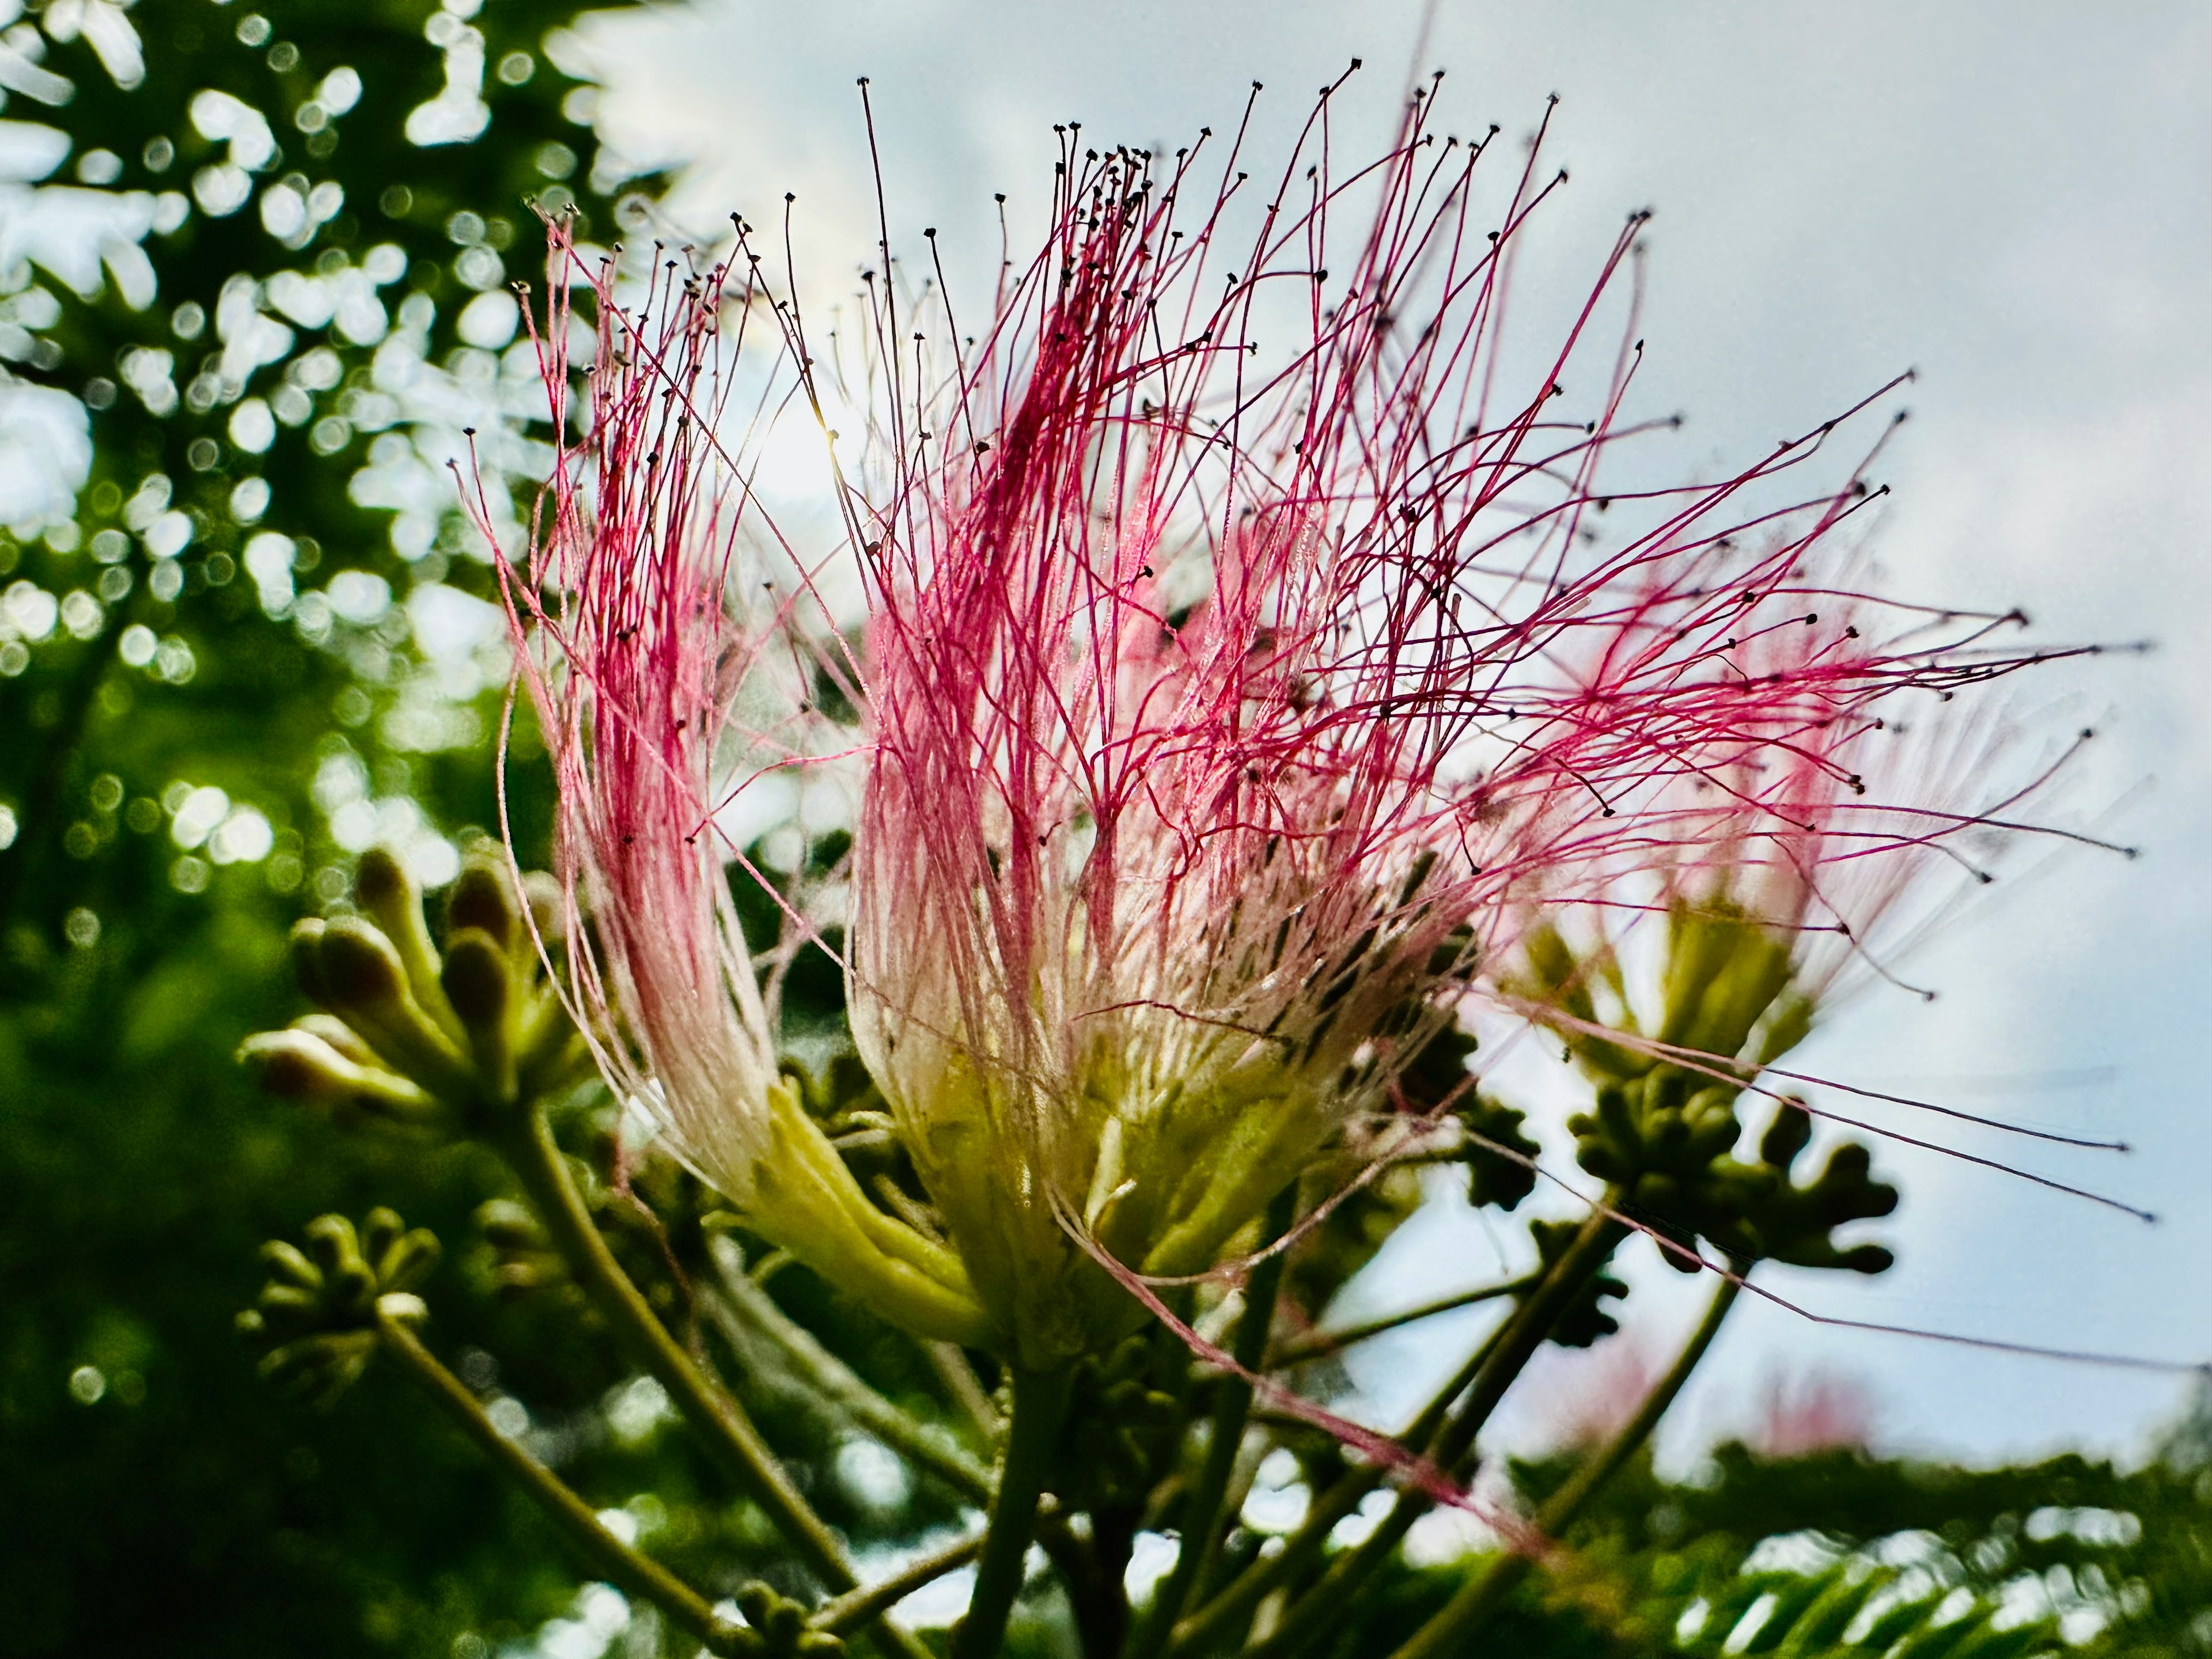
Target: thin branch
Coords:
[(742, 1308), (627, 1570), (1475, 1601), (1241, 1597), (1032, 1436), (1203, 1514), (1320, 1345), (529, 1149), (856, 1608), (1322, 1610)]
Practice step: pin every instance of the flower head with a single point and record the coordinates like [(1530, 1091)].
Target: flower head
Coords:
[(1232, 713), (1230, 718), (664, 697)]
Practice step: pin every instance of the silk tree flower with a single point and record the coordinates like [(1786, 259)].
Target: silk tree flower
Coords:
[(663, 695), (1812, 867), (1810, 851), (1229, 722), (1227, 717)]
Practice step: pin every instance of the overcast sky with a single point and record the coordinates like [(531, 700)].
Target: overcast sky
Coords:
[(2016, 198)]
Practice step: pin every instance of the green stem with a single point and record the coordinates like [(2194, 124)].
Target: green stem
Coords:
[(1232, 1410), (529, 1148), (1525, 1332), (1320, 1344), (1317, 1614), (636, 1574), (1240, 1599), (1040, 1403), (744, 1307), (1478, 1599), (857, 1607)]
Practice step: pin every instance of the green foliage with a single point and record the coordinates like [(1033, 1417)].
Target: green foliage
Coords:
[(256, 637), (171, 1504), (1840, 1553)]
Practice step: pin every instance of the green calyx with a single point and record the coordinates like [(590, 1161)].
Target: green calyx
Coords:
[(318, 1311), (807, 1201)]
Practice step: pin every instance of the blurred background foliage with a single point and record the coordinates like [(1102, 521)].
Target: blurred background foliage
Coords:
[(254, 269)]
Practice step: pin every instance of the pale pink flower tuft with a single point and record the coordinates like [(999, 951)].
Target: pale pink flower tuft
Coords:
[(1230, 713), (1231, 710), (663, 696)]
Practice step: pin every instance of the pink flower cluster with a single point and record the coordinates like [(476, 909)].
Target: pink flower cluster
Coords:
[(1227, 707)]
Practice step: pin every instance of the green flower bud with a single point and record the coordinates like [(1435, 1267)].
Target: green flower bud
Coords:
[(348, 1282), (322, 1367), (480, 986), (305, 946), (1714, 1128), (340, 1036), (1787, 1136), (508, 1225), (523, 1260), (776, 1628), (1793, 1223), (388, 895), (482, 898), (288, 1307), (407, 1262), (291, 1265), (307, 1066), (359, 969), (477, 979), (364, 980), (403, 1309), (1868, 1259)]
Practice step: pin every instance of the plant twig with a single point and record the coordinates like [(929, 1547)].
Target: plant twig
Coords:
[(958, 1376), (529, 1149), (743, 1305), (1319, 1345), (1241, 1597), (1317, 1613), (1475, 1601), (1040, 1405), (1202, 1513), (856, 1608), (625, 1568)]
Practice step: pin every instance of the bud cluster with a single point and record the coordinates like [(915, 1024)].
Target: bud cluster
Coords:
[(416, 1036), (1667, 1114), (318, 1315)]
